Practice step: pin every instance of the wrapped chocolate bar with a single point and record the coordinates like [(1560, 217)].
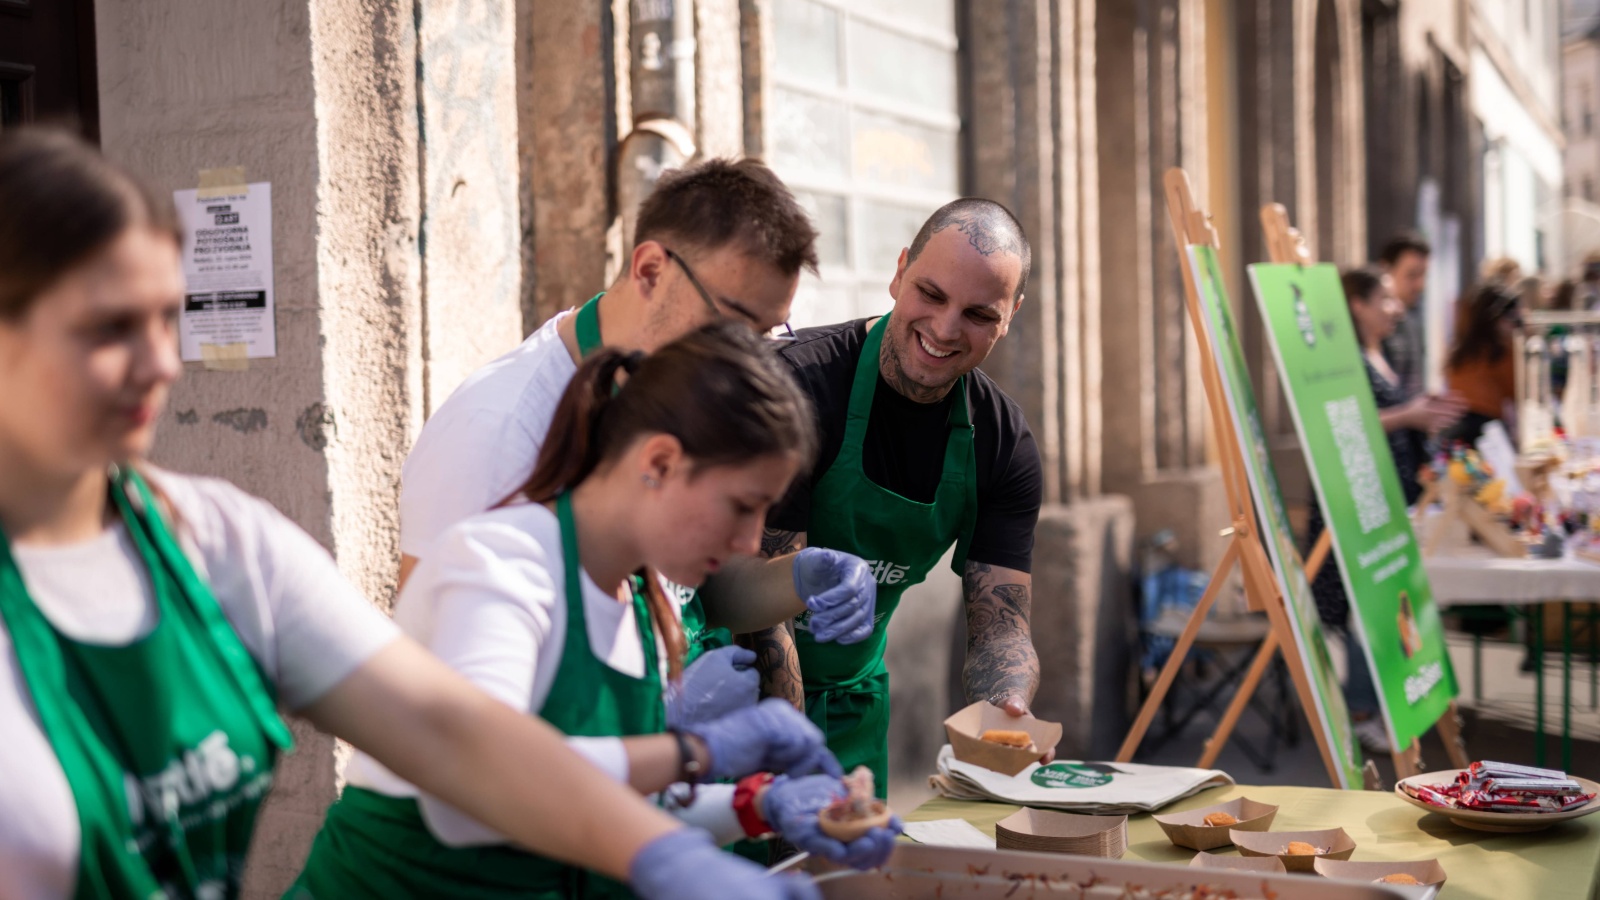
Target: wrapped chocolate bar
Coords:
[(1551, 786), (1490, 769), (1489, 786)]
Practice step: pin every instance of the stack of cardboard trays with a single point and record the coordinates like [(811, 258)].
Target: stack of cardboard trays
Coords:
[(1049, 831), (1094, 788)]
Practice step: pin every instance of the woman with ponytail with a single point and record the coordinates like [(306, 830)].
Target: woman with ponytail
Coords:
[(153, 624), (657, 467)]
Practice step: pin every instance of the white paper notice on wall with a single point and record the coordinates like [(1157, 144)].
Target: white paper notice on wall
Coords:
[(227, 264)]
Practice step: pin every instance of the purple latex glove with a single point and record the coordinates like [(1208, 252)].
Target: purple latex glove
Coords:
[(792, 805), (713, 686), (685, 865), (840, 593), (771, 736)]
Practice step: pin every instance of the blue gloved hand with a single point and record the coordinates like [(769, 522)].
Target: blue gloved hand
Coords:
[(714, 685), (771, 736), (791, 806), (685, 865), (840, 592)]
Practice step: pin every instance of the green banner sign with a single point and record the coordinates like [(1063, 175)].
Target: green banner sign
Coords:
[(1320, 365), (1274, 520)]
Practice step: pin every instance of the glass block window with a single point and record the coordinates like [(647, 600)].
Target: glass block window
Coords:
[(864, 126)]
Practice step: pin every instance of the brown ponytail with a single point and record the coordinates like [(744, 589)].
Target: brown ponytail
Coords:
[(60, 202), (721, 391)]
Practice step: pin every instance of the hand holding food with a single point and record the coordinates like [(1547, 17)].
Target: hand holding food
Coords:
[(771, 736), (793, 807), (840, 592), (686, 865), (1016, 707), (858, 811), (716, 684)]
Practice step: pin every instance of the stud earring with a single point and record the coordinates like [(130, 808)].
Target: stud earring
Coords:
[(650, 481)]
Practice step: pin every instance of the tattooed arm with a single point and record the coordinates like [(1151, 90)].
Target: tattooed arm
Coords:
[(754, 593), (776, 658), (1002, 666)]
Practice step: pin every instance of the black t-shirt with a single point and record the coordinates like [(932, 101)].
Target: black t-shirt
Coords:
[(905, 445)]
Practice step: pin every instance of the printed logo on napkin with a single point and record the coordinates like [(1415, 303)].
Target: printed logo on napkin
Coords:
[(1096, 788), (1070, 775)]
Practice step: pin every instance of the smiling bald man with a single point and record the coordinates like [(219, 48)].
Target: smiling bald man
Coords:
[(920, 451)]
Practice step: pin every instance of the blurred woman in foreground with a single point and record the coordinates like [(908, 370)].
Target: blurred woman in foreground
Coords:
[(152, 624)]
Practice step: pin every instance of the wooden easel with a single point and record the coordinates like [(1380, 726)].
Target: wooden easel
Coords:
[(1190, 225), (1285, 244), (1461, 515)]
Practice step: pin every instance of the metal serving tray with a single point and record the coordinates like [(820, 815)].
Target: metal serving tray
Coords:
[(919, 871)]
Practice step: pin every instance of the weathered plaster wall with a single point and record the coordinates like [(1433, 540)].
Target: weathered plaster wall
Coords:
[(471, 232), (187, 85), (573, 128), (719, 88)]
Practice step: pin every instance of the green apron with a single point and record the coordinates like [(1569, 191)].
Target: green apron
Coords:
[(847, 686), (699, 638), (373, 845), (168, 742)]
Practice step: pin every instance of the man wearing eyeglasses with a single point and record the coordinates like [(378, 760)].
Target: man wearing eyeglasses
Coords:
[(720, 240), (919, 451)]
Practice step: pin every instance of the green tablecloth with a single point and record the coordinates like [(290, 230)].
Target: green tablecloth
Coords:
[(1560, 863)]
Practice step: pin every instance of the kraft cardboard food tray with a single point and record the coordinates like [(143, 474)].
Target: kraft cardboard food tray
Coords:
[(1426, 871), (967, 725), (1272, 843), (1203, 860), (1188, 829)]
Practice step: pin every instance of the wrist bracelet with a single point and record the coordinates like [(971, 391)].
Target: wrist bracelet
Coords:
[(751, 819), (689, 769)]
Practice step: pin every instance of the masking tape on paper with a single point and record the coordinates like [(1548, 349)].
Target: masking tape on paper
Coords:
[(226, 357), (221, 182)]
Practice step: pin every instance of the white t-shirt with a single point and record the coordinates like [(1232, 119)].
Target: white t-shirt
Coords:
[(482, 443), (304, 624), (490, 600)]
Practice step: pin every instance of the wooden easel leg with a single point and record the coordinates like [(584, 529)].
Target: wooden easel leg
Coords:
[(1408, 762), (1455, 746), (1180, 650), (1370, 779), (1319, 554), (1260, 580), (1241, 699)]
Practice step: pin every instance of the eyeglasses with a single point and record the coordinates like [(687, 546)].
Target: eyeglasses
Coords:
[(704, 294), (716, 310)]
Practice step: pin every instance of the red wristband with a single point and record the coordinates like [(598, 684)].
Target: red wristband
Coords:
[(755, 825)]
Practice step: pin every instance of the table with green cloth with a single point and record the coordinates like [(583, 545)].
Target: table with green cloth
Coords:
[(1560, 862)]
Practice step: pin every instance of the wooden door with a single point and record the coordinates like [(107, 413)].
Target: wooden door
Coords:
[(47, 64)]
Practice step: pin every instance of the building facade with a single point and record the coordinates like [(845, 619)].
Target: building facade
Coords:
[(1580, 62), (447, 174)]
